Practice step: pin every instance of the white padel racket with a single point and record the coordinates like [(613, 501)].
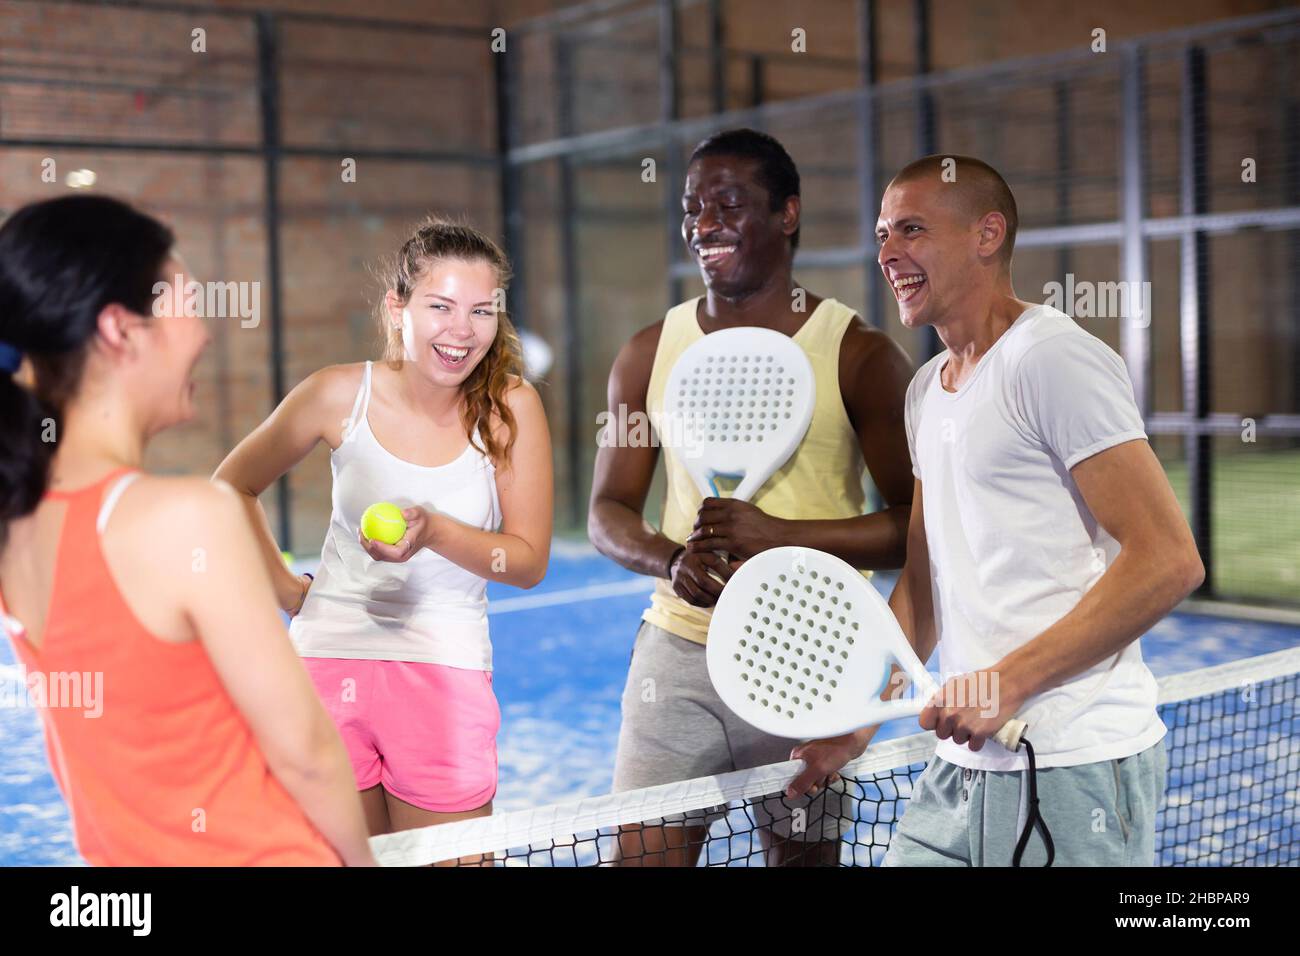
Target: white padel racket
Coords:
[(801, 646), (738, 403)]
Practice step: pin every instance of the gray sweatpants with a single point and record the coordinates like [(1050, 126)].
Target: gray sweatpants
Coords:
[(675, 727), (1099, 814)]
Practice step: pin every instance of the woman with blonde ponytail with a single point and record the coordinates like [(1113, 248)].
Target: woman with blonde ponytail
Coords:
[(395, 637)]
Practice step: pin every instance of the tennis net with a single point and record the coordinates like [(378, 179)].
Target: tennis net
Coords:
[(1231, 797)]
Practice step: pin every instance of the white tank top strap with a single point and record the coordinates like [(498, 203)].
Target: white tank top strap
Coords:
[(110, 500), (362, 403)]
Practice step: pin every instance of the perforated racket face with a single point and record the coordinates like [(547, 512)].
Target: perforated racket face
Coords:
[(801, 645), (738, 402)]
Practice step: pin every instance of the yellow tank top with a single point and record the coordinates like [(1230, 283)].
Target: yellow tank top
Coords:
[(822, 479)]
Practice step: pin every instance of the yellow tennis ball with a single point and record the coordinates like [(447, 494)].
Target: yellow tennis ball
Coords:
[(383, 522)]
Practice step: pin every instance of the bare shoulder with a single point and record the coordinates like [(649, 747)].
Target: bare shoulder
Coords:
[(862, 343), (522, 396), (868, 356), (874, 373), (644, 342), (162, 526), (630, 374), (322, 402), (335, 385), (166, 508), (524, 402)]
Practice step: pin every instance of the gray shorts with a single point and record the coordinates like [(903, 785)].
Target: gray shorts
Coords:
[(1099, 814), (675, 727)]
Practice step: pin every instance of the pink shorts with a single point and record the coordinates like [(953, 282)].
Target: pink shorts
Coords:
[(427, 732)]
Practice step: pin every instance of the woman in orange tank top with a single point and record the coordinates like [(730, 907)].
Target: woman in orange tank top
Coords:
[(180, 725)]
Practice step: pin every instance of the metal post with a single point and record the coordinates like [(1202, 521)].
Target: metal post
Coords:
[(868, 184), (669, 112), (868, 158), (268, 81), (925, 131), (1194, 301), (510, 193), (926, 136), (1135, 334), (669, 92), (569, 271), (1289, 318), (757, 81), (1063, 164), (717, 56), (214, 169)]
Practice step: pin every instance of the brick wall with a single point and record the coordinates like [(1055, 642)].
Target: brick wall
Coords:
[(88, 73)]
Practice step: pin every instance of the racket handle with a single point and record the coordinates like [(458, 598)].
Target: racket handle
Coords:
[(1010, 734)]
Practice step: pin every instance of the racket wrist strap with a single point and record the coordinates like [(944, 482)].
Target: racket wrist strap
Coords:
[(1034, 820), (672, 559)]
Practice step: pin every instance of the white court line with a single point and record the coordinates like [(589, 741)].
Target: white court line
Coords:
[(571, 595), (1241, 612)]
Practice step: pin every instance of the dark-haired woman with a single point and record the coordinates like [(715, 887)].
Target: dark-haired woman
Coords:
[(395, 636), (207, 745)]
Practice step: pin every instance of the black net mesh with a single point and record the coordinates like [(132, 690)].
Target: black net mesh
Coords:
[(1231, 797), (1234, 777)]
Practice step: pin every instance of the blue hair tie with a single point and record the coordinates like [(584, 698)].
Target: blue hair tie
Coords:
[(10, 358)]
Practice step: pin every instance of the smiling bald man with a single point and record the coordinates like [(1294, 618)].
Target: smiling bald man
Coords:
[(1044, 540)]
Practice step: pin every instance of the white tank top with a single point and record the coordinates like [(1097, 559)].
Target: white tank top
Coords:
[(426, 609)]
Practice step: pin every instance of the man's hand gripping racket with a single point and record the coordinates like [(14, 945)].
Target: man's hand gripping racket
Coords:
[(737, 404), (802, 646)]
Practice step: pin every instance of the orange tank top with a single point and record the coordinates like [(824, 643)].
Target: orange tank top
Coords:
[(157, 765)]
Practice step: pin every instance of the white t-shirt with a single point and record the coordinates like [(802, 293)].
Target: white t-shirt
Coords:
[(1013, 547)]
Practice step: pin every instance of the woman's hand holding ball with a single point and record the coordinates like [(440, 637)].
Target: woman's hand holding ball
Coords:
[(389, 533)]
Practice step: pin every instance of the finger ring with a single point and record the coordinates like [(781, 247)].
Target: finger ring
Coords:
[(710, 531)]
